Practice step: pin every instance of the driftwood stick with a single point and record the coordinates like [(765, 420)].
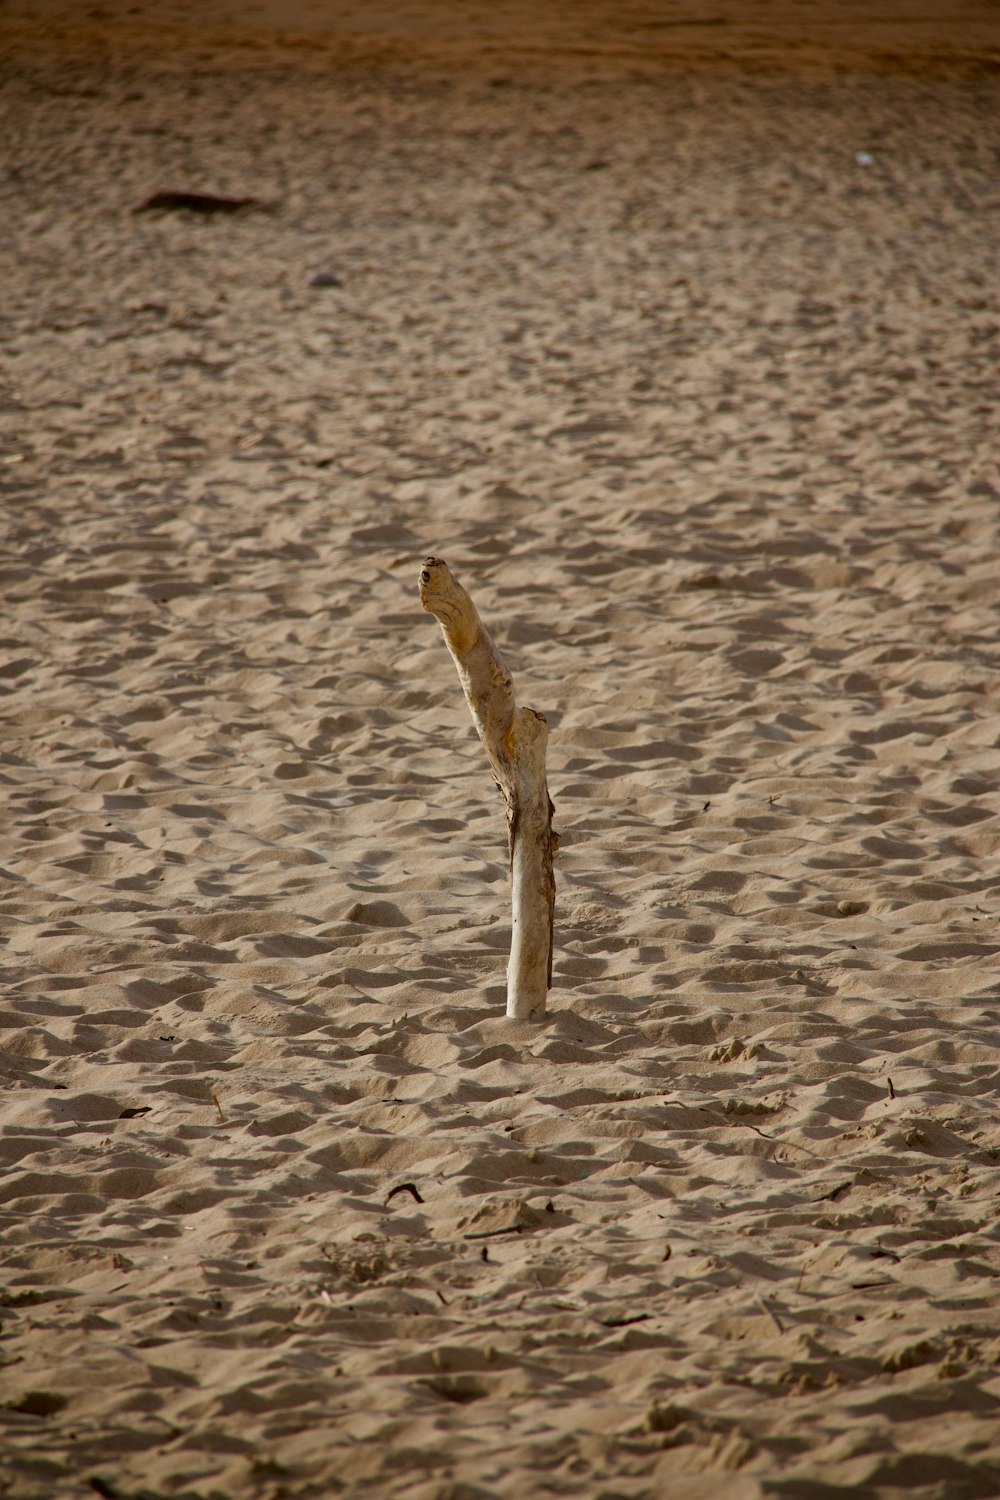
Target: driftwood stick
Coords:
[(514, 740)]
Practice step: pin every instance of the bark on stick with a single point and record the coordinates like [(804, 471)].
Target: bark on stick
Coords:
[(514, 740)]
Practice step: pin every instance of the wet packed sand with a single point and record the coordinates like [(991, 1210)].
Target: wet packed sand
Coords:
[(678, 341)]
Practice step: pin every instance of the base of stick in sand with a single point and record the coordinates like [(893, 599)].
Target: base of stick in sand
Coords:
[(514, 740)]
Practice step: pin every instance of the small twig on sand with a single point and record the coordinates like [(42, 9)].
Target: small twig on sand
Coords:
[(405, 1187)]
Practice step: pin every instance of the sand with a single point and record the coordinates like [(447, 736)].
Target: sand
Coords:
[(678, 342)]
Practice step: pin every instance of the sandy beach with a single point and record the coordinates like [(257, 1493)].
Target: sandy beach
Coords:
[(674, 330)]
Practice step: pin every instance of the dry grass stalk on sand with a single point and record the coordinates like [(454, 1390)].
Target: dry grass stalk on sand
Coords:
[(514, 740)]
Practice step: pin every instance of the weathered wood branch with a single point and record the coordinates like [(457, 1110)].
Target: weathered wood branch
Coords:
[(515, 740)]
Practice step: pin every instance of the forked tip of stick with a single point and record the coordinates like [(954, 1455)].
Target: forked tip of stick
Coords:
[(434, 577)]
